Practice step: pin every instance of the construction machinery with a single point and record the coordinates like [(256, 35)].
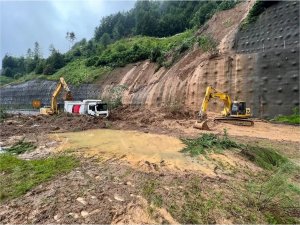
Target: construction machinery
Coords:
[(53, 109), (234, 112), (92, 107)]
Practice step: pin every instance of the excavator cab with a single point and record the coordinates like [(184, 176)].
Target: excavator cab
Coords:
[(239, 109)]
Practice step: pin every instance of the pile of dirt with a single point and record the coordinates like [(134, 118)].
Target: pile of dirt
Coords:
[(21, 124)]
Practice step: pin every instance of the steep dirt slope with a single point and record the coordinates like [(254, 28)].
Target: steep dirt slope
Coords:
[(259, 64), (185, 82)]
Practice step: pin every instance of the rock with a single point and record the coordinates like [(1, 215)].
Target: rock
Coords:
[(95, 211), (81, 200), (129, 184), (56, 217), (84, 214), (119, 198), (74, 215), (166, 188)]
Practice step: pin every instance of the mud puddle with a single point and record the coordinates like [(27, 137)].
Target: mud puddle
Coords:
[(132, 146)]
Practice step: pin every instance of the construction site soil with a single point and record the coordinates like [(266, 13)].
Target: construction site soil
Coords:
[(160, 121), (136, 184)]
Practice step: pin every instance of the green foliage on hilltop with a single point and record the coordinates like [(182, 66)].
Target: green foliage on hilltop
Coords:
[(157, 30), (77, 72), (131, 50)]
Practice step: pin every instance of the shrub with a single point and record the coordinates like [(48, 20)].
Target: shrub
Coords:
[(290, 119), (3, 114), (207, 43), (91, 61), (21, 147), (266, 158), (115, 96), (48, 70), (258, 8), (225, 5), (39, 68), (155, 54), (77, 52), (183, 47), (208, 142)]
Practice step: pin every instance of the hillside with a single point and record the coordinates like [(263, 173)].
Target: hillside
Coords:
[(174, 71), (145, 163)]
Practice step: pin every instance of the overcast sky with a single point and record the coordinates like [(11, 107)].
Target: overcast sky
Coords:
[(48, 21)]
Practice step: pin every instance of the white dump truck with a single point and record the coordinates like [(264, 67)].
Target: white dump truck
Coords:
[(87, 107)]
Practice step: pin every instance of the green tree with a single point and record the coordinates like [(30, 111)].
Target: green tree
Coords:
[(54, 62), (70, 36), (37, 51), (29, 53), (105, 39)]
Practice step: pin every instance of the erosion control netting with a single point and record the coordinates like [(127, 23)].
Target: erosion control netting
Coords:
[(21, 95)]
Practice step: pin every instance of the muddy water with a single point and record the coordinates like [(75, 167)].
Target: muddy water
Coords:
[(133, 146)]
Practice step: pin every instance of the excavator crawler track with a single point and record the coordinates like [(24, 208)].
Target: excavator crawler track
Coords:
[(235, 121)]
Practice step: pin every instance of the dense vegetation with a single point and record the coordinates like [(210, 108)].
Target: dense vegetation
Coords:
[(121, 39)]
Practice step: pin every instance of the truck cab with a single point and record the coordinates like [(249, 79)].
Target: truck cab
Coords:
[(97, 109)]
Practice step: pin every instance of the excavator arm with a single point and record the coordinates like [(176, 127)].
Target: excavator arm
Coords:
[(62, 84), (53, 108), (213, 93)]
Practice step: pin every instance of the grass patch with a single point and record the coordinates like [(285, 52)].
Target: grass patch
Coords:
[(290, 119), (5, 80), (266, 158), (195, 208), (207, 43), (208, 143), (275, 196), (3, 114), (21, 147), (19, 176), (77, 72), (149, 191)]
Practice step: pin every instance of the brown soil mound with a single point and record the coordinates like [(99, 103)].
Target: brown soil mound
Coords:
[(19, 125)]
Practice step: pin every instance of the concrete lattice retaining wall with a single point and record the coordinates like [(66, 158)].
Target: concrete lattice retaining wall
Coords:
[(21, 95)]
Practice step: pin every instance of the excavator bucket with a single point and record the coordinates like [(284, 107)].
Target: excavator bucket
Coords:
[(201, 125), (68, 96)]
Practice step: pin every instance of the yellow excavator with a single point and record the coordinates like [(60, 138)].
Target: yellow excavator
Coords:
[(234, 112), (53, 109)]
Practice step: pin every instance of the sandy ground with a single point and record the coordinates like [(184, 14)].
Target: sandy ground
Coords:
[(138, 148)]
